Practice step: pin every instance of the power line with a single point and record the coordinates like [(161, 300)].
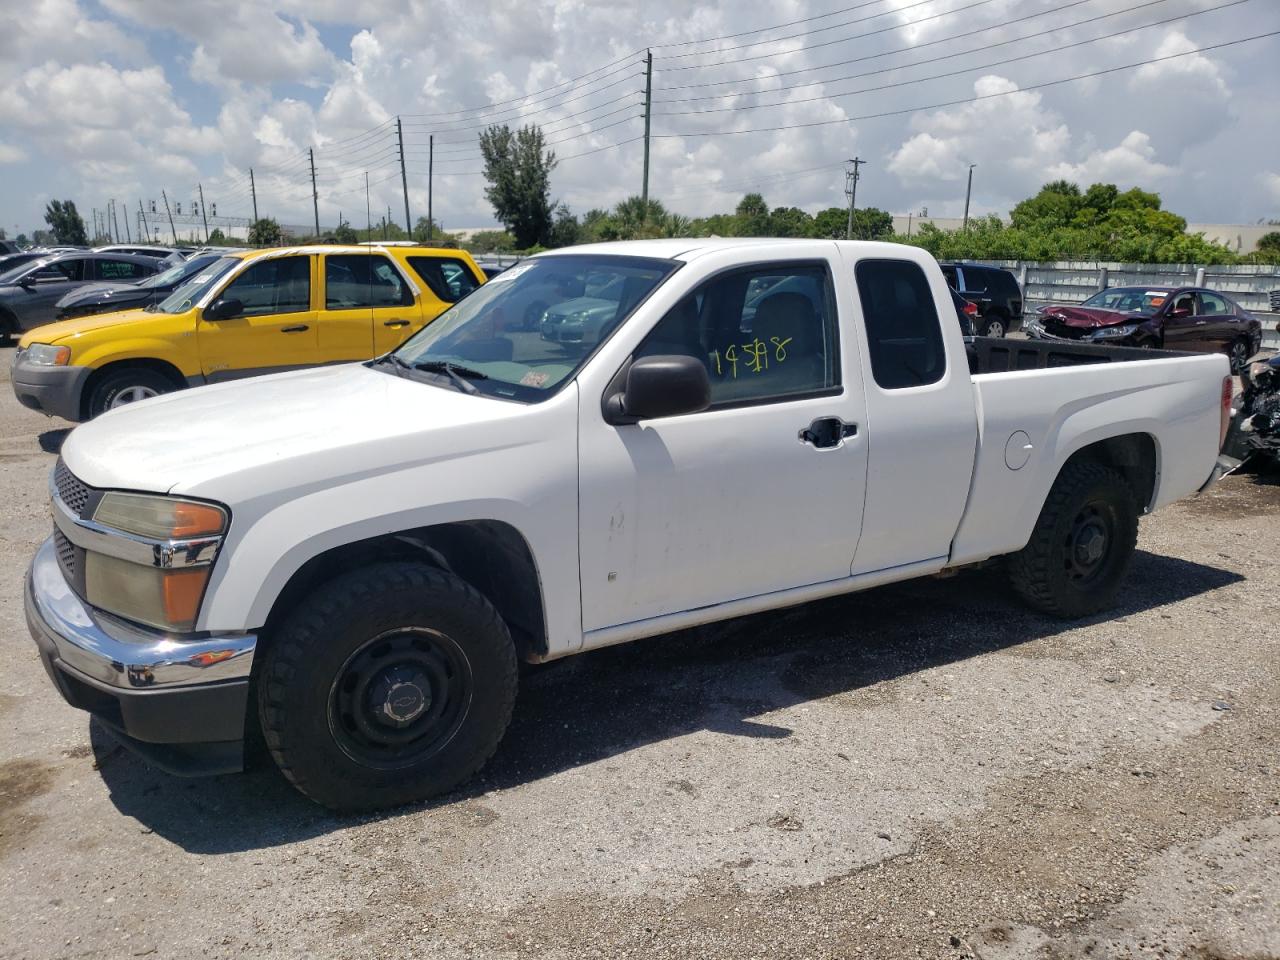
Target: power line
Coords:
[(576, 117), (950, 73), (973, 99), (719, 52), (534, 93), (908, 48), (776, 26)]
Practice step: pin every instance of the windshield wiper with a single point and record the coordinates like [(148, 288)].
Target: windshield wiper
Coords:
[(453, 371)]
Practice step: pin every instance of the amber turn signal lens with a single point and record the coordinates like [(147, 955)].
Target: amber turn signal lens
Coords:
[(182, 592), (195, 519)]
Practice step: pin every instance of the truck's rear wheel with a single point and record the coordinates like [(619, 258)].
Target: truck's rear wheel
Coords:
[(390, 684), (1082, 544)]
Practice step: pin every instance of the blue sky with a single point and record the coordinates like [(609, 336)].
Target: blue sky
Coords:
[(125, 98)]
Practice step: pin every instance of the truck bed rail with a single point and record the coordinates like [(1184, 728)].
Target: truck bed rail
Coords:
[(1001, 355)]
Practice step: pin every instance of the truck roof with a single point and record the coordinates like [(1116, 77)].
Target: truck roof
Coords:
[(312, 248), (688, 248)]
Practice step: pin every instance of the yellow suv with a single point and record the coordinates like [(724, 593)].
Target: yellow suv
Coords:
[(260, 311)]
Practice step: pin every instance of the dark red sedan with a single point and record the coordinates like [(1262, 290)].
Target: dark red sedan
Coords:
[(1176, 318)]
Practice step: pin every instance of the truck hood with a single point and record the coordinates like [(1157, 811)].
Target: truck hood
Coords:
[(311, 426), (63, 331), (1090, 317)]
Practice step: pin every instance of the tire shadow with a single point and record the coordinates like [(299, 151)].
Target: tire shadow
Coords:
[(622, 698)]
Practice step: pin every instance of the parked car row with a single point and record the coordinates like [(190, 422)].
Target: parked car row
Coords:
[(215, 318), (1174, 318)]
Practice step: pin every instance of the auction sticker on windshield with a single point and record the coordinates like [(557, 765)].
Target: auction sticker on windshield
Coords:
[(512, 272)]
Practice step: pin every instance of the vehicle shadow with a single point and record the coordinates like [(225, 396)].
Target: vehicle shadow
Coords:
[(51, 440), (605, 703)]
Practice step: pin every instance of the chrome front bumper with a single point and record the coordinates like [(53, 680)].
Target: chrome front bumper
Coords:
[(181, 701)]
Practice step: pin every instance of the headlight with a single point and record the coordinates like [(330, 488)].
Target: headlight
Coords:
[(1110, 333), (161, 518), (47, 355), (1254, 371), (159, 573)]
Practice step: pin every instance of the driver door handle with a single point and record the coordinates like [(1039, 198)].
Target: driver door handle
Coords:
[(295, 329), (395, 323), (825, 433)]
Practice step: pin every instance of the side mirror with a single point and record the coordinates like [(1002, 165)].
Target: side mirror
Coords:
[(1179, 313), (662, 386), (223, 309), (28, 281)]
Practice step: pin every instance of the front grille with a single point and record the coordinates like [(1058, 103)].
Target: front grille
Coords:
[(71, 490), (68, 557), (1067, 332)]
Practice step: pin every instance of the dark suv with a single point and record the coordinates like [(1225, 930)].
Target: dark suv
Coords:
[(996, 293)]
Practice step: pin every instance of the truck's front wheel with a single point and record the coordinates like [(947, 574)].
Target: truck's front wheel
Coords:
[(387, 685), (1082, 543)]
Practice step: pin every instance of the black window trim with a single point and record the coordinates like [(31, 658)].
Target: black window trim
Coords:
[(251, 263), (413, 289), (617, 383), (870, 363), (467, 268)]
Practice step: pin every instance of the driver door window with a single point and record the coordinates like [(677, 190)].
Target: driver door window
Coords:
[(763, 334)]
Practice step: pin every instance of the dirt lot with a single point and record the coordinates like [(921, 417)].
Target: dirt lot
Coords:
[(923, 770)]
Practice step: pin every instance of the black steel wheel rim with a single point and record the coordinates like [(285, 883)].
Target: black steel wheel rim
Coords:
[(1087, 545), (400, 698)]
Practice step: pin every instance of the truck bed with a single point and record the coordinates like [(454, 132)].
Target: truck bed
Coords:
[(1001, 355)]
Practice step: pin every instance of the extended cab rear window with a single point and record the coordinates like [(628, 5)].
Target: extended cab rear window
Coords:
[(448, 278), (903, 331)]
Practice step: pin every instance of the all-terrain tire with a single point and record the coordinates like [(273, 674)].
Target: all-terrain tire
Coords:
[(346, 622), (1057, 572)]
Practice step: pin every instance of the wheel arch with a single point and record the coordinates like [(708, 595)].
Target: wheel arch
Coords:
[(1133, 455), (490, 555), (156, 365)]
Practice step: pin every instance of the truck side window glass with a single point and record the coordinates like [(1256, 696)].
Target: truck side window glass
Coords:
[(276, 285), (352, 281), (902, 324), (763, 334), (449, 280), (119, 270)]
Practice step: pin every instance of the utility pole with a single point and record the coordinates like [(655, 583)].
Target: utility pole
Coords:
[(172, 228), (142, 221), (967, 192), (368, 215), (431, 169), (386, 224), (851, 191), (128, 237), (315, 196), (253, 192), (115, 224), (95, 226), (648, 112), (404, 179), (203, 212)]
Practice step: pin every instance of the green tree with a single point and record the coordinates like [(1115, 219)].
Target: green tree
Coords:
[(66, 222), (344, 232), (217, 236), (491, 241), (1055, 204), (518, 168), (566, 231), (752, 214), (790, 222), (637, 218), (1268, 243), (872, 223), (265, 232), (831, 223), (21, 240)]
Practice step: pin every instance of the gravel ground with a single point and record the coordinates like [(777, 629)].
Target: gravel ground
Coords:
[(922, 770)]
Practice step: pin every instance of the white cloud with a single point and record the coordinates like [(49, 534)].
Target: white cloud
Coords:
[(11, 154)]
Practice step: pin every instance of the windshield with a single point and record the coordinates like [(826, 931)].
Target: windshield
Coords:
[(178, 272), (1129, 300), (530, 328), (10, 276), (182, 299)]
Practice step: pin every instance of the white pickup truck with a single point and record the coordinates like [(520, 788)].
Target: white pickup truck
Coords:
[(354, 558)]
